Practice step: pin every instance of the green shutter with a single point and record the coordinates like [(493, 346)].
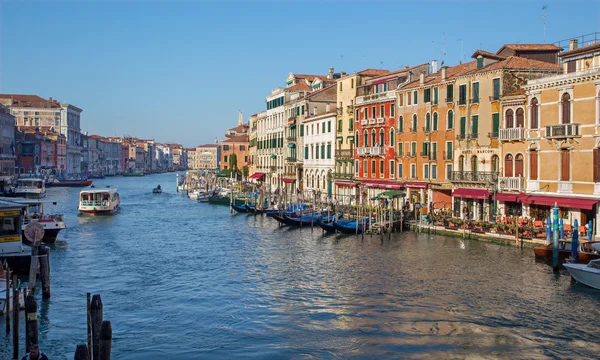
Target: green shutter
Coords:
[(329, 151), (435, 121), (415, 97), (448, 150), (496, 123), (450, 120), (322, 151), (339, 129), (401, 124), (305, 151), (475, 120), (476, 92), (302, 109), (301, 129), (434, 150), (414, 148), (329, 126), (323, 128), (463, 126), (435, 95)]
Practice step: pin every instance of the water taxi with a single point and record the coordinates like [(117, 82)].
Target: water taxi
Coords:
[(35, 212), (99, 201), (30, 188)]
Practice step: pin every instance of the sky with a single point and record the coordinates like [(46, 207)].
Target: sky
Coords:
[(179, 71)]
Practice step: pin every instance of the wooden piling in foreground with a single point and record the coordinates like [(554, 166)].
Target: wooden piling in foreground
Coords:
[(15, 319), (105, 340), (82, 352), (45, 271), (31, 321), (96, 308), (33, 267), (7, 314), (89, 324)]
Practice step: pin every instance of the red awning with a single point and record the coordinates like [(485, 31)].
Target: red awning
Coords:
[(382, 185), (414, 184), (507, 197), (257, 175), (575, 203), (287, 181), (471, 193), (342, 184)]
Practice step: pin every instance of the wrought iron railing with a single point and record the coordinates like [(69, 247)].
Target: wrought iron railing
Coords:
[(475, 176)]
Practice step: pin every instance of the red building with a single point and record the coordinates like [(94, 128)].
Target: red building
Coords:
[(375, 119)]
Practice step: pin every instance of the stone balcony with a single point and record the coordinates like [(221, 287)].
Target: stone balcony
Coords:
[(370, 151), (344, 154), (382, 96), (511, 183), (562, 131), (565, 187), (474, 177), (343, 176), (512, 134)]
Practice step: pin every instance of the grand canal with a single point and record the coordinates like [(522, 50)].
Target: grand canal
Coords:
[(180, 279)]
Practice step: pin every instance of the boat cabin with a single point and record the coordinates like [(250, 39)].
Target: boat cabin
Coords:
[(10, 227)]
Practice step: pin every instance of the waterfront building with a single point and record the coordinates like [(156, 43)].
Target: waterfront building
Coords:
[(562, 147), (319, 142), (478, 117), (192, 159), (343, 175), (90, 155), (59, 160), (375, 130), (110, 155), (7, 144), (208, 156), (234, 148), (252, 169), (34, 152)]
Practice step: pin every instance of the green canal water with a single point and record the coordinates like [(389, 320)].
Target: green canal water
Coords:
[(181, 279)]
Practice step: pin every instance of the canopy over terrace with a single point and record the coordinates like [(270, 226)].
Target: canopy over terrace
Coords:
[(390, 194)]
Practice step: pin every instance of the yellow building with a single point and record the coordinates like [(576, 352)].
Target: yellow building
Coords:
[(563, 140)]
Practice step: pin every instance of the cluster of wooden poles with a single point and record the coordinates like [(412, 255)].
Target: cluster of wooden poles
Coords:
[(99, 333)]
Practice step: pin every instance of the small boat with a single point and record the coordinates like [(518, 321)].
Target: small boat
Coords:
[(35, 212), (157, 190), (34, 188), (252, 208), (586, 274), (99, 201), (545, 251), (239, 208), (350, 226), (304, 220), (588, 251), (52, 181), (326, 223)]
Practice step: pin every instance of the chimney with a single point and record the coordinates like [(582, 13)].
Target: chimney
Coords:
[(422, 78), (434, 68), (327, 108), (444, 69), (51, 99), (573, 44), (330, 76), (240, 120)]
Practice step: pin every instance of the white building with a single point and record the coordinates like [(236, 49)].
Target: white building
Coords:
[(318, 152)]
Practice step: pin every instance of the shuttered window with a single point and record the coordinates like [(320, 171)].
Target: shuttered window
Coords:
[(392, 110), (450, 124), (534, 113), (596, 165), (462, 94), (495, 124), (305, 152), (508, 165), (475, 125), (301, 129), (450, 93), (476, 92), (566, 108), (435, 121), (415, 97), (519, 165), (329, 151), (496, 90), (565, 160), (533, 164), (463, 126)]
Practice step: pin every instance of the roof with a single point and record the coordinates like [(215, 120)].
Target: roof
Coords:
[(451, 72), (530, 47), (240, 128), (331, 111), (582, 49), (517, 63), (486, 54), (373, 72), (300, 86), (20, 100), (191, 149), (208, 146), (518, 92), (237, 138), (403, 70), (320, 91), (310, 77)]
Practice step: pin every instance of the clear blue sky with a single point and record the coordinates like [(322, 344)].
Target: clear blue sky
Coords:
[(180, 71)]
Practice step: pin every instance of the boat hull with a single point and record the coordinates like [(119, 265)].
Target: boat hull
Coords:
[(239, 208), (349, 227), (67, 183), (98, 212), (584, 274), (50, 236), (545, 252), (30, 195), (328, 227)]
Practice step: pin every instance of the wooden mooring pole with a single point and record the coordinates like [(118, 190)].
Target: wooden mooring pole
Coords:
[(96, 308), (31, 321), (45, 271), (82, 352), (105, 340), (15, 319), (89, 324), (7, 313)]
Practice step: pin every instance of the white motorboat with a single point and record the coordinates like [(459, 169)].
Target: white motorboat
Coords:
[(586, 274), (193, 195), (99, 201), (30, 188), (35, 212)]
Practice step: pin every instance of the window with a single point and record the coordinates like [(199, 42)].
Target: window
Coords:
[(323, 127), (413, 171), (449, 151), (476, 92), (366, 113), (461, 163), (427, 122), (366, 138), (305, 152), (433, 151), (301, 129), (365, 168), (571, 67), (373, 168), (533, 115), (392, 137), (373, 138), (435, 121), (533, 164), (401, 100), (400, 149), (508, 165), (302, 109), (448, 171), (474, 164), (414, 124), (509, 118), (328, 126), (340, 86), (495, 125), (413, 148), (435, 96), (317, 151), (382, 111), (426, 171), (400, 170), (322, 151), (225, 158), (381, 137), (495, 164), (520, 117), (381, 168), (408, 99), (496, 89), (392, 168), (352, 83), (392, 110), (449, 93), (433, 171), (339, 127), (427, 95), (565, 102), (329, 150), (225, 147), (596, 165), (474, 126), (462, 94), (565, 163), (415, 97), (25, 112), (401, 124), (374, 111), (356, 167), (450, 122), (463, 126), (356, 138), (519, 165)]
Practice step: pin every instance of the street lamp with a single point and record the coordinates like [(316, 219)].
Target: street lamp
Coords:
[(493, 186)]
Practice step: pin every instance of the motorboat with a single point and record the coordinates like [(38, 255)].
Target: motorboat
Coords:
[(545, 251), (588, 251), (99, 201), (157, 190), (52, 181), (587, 274), (36, 211), (34, 188)]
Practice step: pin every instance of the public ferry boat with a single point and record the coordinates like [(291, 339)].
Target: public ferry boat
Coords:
[(35, 212), (30, 188), (99, 201)]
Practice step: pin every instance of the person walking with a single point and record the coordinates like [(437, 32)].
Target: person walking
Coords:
[(35, 354)]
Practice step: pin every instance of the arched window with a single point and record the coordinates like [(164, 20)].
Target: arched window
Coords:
[(534, 113), (450, 122), (435, 121), (356, 138), (461, 163), (392, 137), (373, 138), (495, 164), (519, 165), (414, 123), (474, 165), (520, 117), (566, 108), (381, 137), (508, 165), (366, 138), (401, 124), (509, 118), (428, 122)]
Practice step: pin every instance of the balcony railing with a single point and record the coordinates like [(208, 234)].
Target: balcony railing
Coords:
[(562, 131), (380, 120), (344, 153), (413, 130), (372, 121), (400, 153), (472, 136), (425, 153), (344, 176), (461, 136), (370, 151), (364, 122), (411, 154), (449, 99), (387, 95), (493, 135), (495, 98), (512, 134), (273, 168), (475, 176), (290, 159), (291, 138), (474, 101), (511, 183), (533, 185)]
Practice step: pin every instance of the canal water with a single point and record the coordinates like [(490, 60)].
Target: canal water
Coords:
[(181, 279)]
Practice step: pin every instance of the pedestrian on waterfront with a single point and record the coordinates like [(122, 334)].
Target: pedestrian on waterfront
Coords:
[(35, 354)]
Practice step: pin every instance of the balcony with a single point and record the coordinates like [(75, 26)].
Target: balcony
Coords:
[(273, 168), (344, 153), (495, 98), (387, 95), (350, 109), (380, 120), (399, 153), (290, 159), (461, 137), (472, 136), (343, 176), (364, 122), (533, 185), (511, 183), (291, 138), (449, 99), (411, 155), (493, 135), (372, 121), (370, 151), (474, 176), (565, 187), (562, 131), (512, 134)]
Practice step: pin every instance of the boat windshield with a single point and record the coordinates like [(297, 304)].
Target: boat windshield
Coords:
[(29, 183), (594, 264), (95, 199)]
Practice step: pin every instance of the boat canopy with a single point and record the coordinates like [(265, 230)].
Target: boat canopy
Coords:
[(390, 194)]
